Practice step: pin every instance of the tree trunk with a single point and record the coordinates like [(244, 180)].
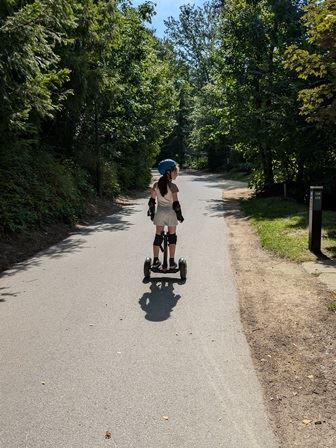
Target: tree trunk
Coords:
[(266, 150), (99, 176), (267, 163), (300, 169)]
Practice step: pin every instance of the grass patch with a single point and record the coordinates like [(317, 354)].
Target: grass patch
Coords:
[(332, 307), (283, 227)]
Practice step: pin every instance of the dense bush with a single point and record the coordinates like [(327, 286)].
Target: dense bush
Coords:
[(111, 185), (198, 161), (36, 190)]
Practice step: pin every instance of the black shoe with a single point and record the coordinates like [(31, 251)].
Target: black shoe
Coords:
[(156, 264), (172, 265)]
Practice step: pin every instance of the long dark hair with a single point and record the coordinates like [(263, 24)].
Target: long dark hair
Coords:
[(164, 181)]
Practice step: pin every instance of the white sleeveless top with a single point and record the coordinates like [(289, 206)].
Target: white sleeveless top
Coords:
[(167, 200)]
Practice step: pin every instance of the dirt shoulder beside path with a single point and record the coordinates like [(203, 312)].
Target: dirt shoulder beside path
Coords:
[(291, 334)]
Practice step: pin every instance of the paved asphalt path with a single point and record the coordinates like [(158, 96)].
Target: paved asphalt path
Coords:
[(87, 348)]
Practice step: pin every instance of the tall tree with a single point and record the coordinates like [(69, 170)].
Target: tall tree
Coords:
[(31, 77), (315, 61), (193, 36), (254, 36)]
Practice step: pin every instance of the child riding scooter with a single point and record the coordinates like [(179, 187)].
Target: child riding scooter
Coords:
[(167, 214)]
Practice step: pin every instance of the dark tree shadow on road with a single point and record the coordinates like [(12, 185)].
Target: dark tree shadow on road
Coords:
[(72, 243), (218, 180), (6, 294), (111, 223), (219, 208), (158, 303), (214, 208)]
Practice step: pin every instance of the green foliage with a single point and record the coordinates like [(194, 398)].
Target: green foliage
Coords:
[(90, 98), (315, 63), (37, 190), (332, 307), (198, 161), (84, 82), (259, 94), (111, 185), (193, 36), (244, 99), (193, 39), (31, 76)]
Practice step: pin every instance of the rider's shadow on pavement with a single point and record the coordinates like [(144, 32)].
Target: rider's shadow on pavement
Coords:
[(159, 302)]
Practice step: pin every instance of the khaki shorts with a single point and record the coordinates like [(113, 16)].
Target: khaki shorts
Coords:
[(165, 216)]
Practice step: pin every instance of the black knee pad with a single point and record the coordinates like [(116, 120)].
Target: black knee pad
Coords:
[(158, 240), (172, 238)]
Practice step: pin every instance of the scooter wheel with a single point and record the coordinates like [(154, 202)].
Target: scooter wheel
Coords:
[(147, 265), (183, 268)]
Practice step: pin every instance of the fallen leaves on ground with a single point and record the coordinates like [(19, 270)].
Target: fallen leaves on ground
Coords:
[(306, 421)]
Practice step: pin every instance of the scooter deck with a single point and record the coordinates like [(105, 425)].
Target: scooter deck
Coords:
[(161, 270)]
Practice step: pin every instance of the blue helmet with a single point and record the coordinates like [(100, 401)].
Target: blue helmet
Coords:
[(166, 165)]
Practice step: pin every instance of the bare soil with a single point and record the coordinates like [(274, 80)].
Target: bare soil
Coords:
[(291, 335)]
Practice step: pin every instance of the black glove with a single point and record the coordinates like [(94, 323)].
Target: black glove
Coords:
[(151, 210), (179, 217), (178, 211)]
